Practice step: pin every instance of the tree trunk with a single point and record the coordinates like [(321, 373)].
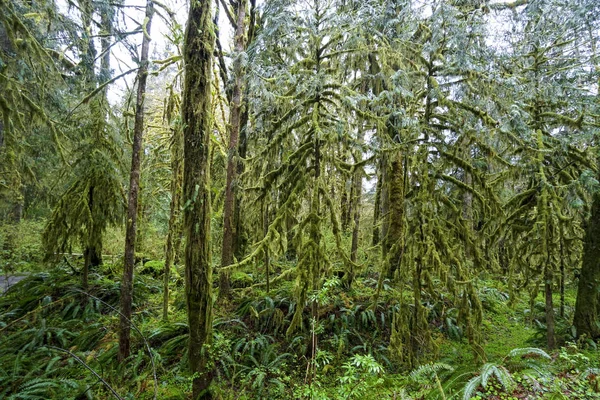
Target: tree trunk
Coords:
[(92, 254), (267, 259), (562, 277), (134, 186), (174, 218), (234, 133), (198, 49), (377, 207), (393, 240), (355, 206), (357, 184), (551, 341), (345, 204), (240, 242), (587, 306)]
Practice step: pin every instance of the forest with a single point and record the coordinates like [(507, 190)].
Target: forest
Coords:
[(299, 199)]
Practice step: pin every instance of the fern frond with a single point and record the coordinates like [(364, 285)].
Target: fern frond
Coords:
[(471, 386), (519, 352), (487, 370)]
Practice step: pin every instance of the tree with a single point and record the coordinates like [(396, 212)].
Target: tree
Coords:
[(92, 198), (198, 50), (134, 182), (587, 308), (234, 127), (548, 140)]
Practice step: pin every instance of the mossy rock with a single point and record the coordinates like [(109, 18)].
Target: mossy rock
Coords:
[(241, 280)]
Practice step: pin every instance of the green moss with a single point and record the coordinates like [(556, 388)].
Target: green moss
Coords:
[(156, 269), (241, 279)]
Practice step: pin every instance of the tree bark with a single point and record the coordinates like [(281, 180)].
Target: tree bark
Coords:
[(174, 217), (92, 254), (234, 134), (198, 49), (550, 326), (393, 240), (355, 206), (134, 186), (377, 207)]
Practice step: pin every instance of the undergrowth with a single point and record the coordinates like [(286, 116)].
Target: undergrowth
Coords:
[(58, 342)]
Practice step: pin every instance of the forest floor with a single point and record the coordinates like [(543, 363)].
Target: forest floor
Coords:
[(45, 322)]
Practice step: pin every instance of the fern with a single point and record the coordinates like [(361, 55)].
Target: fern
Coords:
[(428, 371), (489, 370), (525, 351), (471, 386)]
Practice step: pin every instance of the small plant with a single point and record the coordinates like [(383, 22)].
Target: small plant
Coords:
[(360, 373), (497, 374), (428, 373)]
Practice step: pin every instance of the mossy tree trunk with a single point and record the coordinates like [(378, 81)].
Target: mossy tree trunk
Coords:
[(198, 50), (377, 208), (235, 114), (393, 240), (134, 187), (356, 207), (174, 230)]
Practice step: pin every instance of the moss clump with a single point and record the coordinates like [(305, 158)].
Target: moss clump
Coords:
[(156, 268), (241, 279)]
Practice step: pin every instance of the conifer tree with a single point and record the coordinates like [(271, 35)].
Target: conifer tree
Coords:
[(93, 197)]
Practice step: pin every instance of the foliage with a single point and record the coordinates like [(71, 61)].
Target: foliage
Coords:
[(415, 199)]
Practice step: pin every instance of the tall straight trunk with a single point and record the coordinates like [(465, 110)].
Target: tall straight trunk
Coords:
[(562, 277), (548, 278), (357, 188), (92, 253), (234, 134), (134, 185), (87, 54), (267, 259), (377, 207), (355, 205), (198, 50), (587, 306), (171, 247), (393, 240), (345, 200), (240, 243)]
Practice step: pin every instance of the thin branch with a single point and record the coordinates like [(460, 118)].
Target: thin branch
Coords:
[(89, 368), (99, 89), (229, 16)]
